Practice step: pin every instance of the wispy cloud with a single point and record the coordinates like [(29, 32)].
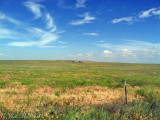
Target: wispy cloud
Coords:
[(127, 19), (34, 7), (133, 48), (60, 32), (92, 34), (126, 53), (43, 36), (130, 45), (1, 54), (9, 19), (37, 37), (142, 15), (7, 34), (63, 4), (50, 23), (52, 46), (80, 3), (150, 12), (14, 21), (62, 42), (101, 41), (2, 16), (80, 56), (87, 19)]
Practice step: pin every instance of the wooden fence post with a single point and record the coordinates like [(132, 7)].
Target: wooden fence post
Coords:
[(125, 93)]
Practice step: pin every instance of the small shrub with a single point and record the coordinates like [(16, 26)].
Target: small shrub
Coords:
[(57, 93), (148, 94), (63, 90)]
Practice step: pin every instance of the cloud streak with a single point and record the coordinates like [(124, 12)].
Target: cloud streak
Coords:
[(133, 48), (35, 8), (52, 46), (132, 45), (1, 54), (150, 12), (62, 42), (87, 19), (7, 34), (37, 37), (50, 23), (43, 36), (127, 19), (80, 3), (9, 19), (142, 15), (92, 34)]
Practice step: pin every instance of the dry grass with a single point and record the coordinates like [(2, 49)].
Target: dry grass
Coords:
[(15, 97), (5, 78)]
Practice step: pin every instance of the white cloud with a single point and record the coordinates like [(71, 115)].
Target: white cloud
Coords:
[(13, 21), (79, 54), (33, 36), (38, 37), (127, 19), (85, 54), (9, 19), (7, 34), (87, 19), (142, 15), (64, 4), (2, 16), (131, 45), (150, 12), (156, 12), (146, 13), (43, 36), (127, 53), (62, 42), (93, 34), (50, 23), (1, 54), (89, 54), (52, 46), (34, 8), (133, 48), (101, 41), (80, 3), (107, 53), (59, 32)]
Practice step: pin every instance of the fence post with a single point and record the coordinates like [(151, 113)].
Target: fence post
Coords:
[(125, 93)]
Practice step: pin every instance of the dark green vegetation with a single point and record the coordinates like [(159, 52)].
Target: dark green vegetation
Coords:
[(66, 74), (132, 111)]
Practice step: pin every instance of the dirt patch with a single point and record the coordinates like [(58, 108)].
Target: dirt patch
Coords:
[(5, 78)]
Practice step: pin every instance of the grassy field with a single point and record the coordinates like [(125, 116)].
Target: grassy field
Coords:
[(85, 91)]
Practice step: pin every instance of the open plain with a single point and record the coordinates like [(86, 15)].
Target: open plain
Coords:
[(57, 89)]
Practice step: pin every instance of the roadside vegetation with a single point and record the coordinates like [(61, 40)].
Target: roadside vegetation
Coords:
[(83, 91)]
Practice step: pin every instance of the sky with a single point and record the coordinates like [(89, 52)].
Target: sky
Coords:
[(125, 31)]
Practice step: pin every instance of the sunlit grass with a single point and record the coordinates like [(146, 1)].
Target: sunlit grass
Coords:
[(49, 88)]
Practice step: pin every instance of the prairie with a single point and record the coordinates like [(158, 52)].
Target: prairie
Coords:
[(61, 89)]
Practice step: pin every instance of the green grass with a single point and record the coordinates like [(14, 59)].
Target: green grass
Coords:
[(66, 74)]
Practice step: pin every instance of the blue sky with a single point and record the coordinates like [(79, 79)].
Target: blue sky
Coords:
[(95, 30)]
